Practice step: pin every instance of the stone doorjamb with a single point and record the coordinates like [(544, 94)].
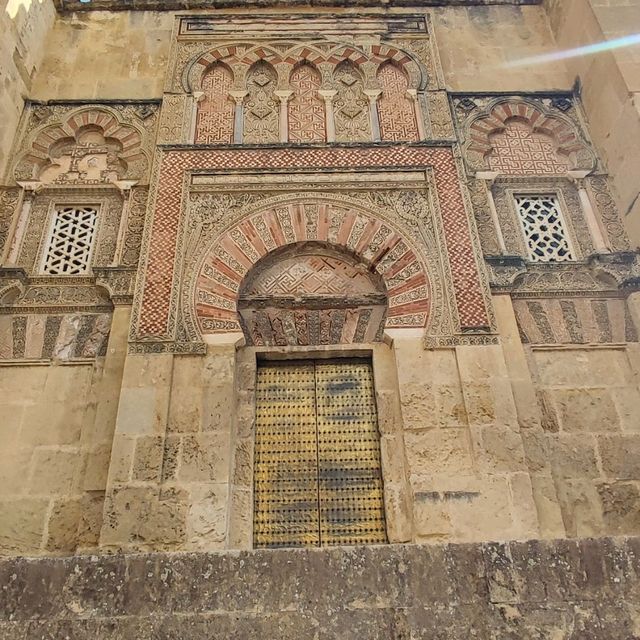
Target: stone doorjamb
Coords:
[(397, 492)]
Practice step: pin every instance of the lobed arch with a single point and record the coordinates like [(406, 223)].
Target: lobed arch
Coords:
[(383, 251), (121, 140), (500, 115)]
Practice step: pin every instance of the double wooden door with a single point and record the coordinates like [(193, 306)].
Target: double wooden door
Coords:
[(317, 474)]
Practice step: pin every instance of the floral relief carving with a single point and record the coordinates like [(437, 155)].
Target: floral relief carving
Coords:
[(351, 105), (396, 110), (306, 107), (601, 195), (9, 199), (87, 145), (135, 226), (261, 106)]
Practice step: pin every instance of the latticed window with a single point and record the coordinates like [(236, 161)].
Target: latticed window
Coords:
[(69, 249), (544, 230)]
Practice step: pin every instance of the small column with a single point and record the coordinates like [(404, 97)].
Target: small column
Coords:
[(284, 97), (488, 177), (373, 95), (18, 229), (413, 95), (238, 121), (328, 96), (589, 213), (125, 189)]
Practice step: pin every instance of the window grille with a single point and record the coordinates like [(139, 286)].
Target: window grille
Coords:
[(68, 251), (545, 233)]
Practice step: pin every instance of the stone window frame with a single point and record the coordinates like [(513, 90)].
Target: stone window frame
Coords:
[(562, 223), (109, 203), (395, 471), (505, 190)]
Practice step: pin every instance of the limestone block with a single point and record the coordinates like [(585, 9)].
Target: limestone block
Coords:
[(620, 507), (550, 521), (479, 403), (147, 461), (523, 506), (536, 450), (122, 456), (498, 449), (581, 507), (54, 471), (25, 383), (11, 413), (13, 463), (91, 514), (96, 468), (185, 410), (217, 407), (22, 523), (52, 422), (627, 403), (62, 528), (620, 455), (205, 458), (590, 409), (241, 518), (398, 507), (573, 456), (138, 518), (207, 516), (243, 462), (138, 412), (445, 452), (431, 517), (487, 515)]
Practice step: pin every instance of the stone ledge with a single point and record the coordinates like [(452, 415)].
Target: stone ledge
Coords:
[(179, 5), (585, 589)]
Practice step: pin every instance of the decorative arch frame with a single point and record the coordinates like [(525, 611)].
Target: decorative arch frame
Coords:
[(41, 141), (224, 260), (495, 118)]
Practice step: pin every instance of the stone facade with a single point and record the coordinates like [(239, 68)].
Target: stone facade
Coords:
[(240, 186)]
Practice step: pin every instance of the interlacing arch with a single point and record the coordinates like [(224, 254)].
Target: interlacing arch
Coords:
[(326, 58)]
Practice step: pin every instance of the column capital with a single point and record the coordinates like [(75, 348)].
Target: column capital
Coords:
[(327, 94), (283, 94), (238, 96)]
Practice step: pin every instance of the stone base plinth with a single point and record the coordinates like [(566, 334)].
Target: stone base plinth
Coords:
[(585, 589)]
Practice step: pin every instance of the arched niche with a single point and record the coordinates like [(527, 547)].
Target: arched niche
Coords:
[(312, 293)]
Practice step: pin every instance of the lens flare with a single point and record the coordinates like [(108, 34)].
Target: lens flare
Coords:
[(587, 50)]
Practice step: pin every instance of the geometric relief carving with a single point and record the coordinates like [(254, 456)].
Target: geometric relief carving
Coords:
[(518, 151), (214, 121), (69, 248), (310, 294), (261, 106), (395, 109), (306, 107), (544, 230), (351, 105)]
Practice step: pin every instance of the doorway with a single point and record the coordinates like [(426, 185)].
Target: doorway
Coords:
[(317, 468)]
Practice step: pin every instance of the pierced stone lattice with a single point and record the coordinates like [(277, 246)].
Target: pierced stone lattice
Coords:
[(216, 111), (395, 109), (543, 228), (261, 111), (351, 105), (69, 249), (519, 151), (306, 107)]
